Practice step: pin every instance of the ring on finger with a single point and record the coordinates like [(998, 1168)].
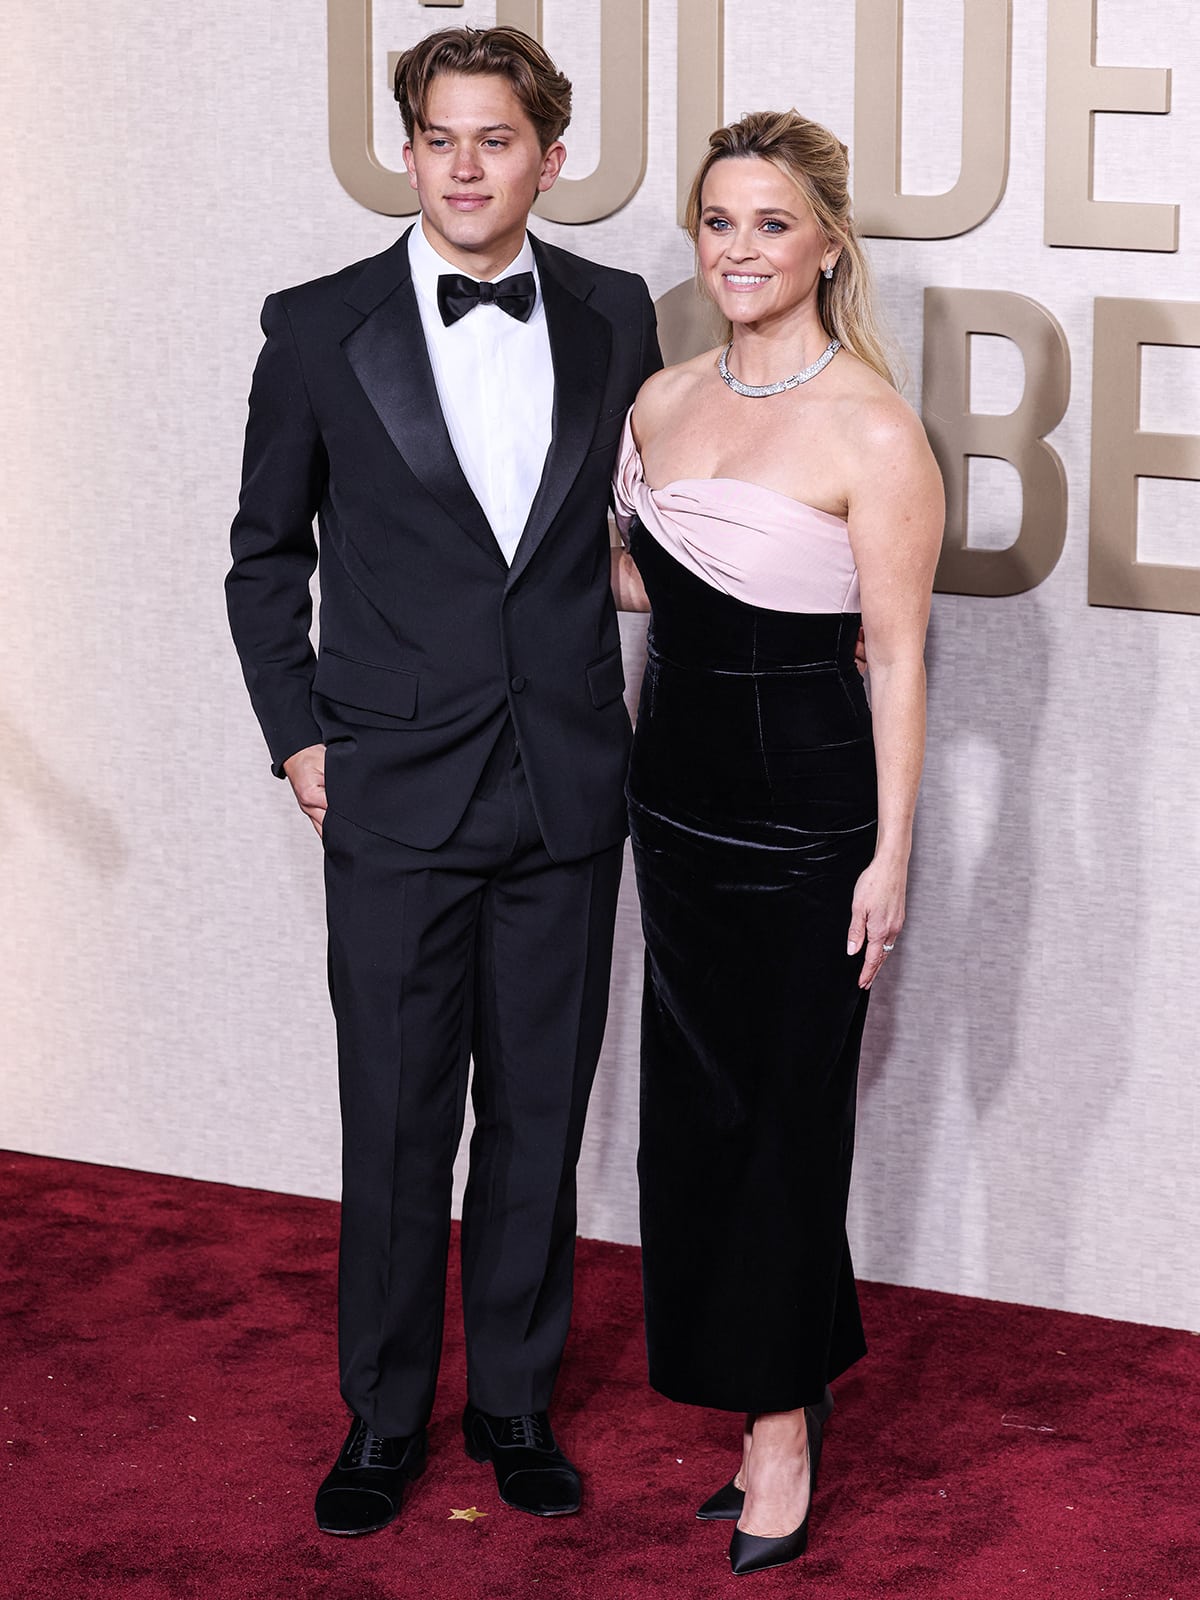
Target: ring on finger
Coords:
[(888, 948)]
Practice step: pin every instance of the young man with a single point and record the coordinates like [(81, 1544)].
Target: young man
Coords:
[(449, 411)]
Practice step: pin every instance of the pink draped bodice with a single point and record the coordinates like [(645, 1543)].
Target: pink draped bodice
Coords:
[(754, 544)]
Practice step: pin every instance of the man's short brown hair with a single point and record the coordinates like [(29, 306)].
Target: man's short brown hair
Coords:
[(544, 93)]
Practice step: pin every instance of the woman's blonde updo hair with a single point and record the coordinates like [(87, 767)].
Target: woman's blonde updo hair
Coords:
[(817, 163)]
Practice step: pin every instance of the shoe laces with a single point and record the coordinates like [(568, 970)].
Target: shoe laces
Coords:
[(365, 1449), (531, 1431)]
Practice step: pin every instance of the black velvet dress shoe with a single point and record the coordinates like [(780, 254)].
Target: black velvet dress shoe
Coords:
[(364, 1490), (532, 1473), (726, 1505), (752, 1552)]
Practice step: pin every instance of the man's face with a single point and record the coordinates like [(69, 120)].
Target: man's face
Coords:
[(477, 168)]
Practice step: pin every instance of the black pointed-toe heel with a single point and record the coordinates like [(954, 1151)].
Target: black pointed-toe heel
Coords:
[(726, 1505), (751, 1552)]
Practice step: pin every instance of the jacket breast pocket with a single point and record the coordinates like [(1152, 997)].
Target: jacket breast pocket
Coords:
[(606, 679), (365, 693)]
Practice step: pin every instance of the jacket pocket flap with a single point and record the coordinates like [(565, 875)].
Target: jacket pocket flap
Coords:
[(369, 688), (606, 678)]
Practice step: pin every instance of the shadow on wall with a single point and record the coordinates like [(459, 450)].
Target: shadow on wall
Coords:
[(968, 924), (59, 807), (608, 1197), (1001, 1053), (968, 910)]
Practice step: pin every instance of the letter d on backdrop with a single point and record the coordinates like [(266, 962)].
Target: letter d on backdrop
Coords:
[(880, 209)]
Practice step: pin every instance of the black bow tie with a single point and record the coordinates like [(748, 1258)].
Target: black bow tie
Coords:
[(458, 294)]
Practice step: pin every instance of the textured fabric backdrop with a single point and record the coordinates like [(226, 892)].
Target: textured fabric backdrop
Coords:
[(1029, 1109)]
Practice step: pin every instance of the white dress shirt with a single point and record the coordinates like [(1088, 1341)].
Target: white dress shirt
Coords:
[(495, 381)]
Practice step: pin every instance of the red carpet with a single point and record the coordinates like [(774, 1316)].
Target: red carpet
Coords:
[(169, 1404)]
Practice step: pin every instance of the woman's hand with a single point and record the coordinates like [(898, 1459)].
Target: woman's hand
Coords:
[(877, 915)]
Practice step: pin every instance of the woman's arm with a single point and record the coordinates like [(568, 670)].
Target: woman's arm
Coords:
[(627, 589), (896, 518)]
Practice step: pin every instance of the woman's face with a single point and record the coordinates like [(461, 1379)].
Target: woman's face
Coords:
[(760, 247)]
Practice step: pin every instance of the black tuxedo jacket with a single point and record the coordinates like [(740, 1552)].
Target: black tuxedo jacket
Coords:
[(427, 637)]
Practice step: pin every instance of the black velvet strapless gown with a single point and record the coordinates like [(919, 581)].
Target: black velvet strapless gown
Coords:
[(752, 804)]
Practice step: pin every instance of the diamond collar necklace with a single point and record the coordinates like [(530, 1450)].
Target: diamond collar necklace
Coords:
[(756, 391)]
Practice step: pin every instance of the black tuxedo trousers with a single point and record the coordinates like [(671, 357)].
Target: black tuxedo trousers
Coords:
[(485, 948), (475, 741)]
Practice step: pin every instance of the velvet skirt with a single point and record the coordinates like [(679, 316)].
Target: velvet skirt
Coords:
[(752, 811)]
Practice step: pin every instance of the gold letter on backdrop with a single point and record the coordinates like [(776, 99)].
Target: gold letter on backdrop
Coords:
[(1122, 453), (700, 87), (880, 209), (688, 323), (624, 79), (623, 75), (956, 432), (351, 114), (1076, 88)]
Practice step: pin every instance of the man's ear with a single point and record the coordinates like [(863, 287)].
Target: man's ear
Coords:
[(551, 166), (407, 153)]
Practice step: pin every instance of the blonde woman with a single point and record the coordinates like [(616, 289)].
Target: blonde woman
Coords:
[(777, 491)]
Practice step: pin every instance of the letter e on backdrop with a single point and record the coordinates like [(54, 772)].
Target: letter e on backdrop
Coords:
[(1122, 453)]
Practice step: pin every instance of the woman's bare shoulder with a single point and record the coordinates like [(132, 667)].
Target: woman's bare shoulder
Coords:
[(883, 448), (667, 389), (876, 416)]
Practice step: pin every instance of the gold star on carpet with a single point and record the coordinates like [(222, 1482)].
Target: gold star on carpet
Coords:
[(471, 1514)]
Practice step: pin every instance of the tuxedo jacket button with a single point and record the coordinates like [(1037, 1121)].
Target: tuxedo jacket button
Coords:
[(517, 683)]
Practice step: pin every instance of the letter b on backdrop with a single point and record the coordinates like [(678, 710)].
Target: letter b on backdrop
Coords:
[(957, 433)]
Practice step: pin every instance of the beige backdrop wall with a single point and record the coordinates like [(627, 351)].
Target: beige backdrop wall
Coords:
[(1029, 1107)]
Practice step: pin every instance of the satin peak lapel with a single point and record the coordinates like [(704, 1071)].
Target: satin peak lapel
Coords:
[(388, 355), (580, 344)]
